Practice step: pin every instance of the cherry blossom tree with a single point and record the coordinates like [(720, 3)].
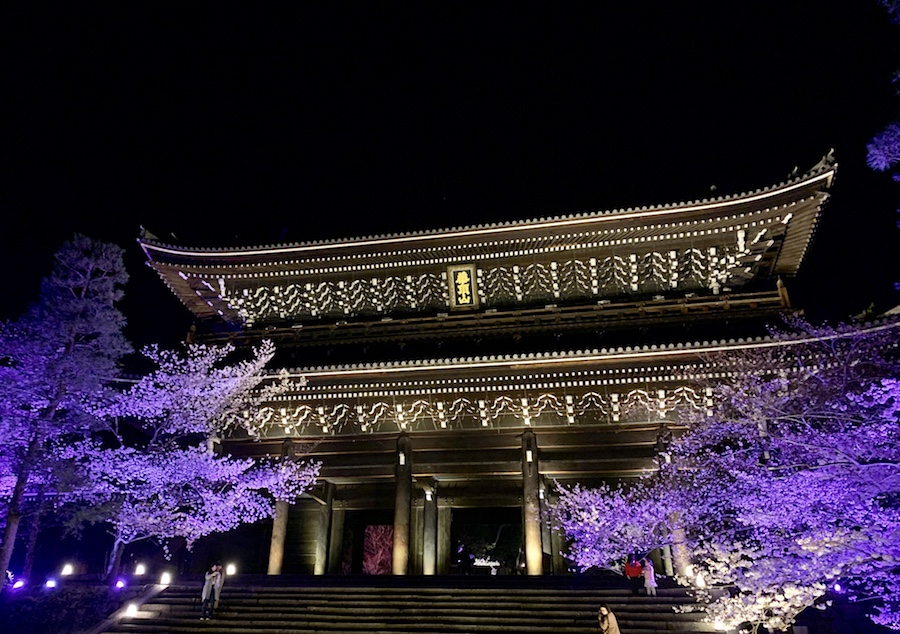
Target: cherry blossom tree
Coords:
[(55, 361), (378, 549), (790, 483), (144, 452), (188, 492), (883, 150), (169, 481)]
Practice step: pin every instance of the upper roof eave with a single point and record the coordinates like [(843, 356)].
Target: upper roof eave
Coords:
[(823, 172)]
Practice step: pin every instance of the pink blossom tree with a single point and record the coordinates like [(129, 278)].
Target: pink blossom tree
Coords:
[(883, 150), (171, 482), (789, 485)]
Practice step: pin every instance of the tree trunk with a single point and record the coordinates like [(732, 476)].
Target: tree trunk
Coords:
[(13, 518), (34, 528), (115, 559), (14, 509)]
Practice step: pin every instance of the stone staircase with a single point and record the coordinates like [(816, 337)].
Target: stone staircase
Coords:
[(411, 605)]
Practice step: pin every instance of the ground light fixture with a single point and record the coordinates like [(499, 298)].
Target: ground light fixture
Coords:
[(230, 569), (165, 579), (120, 583), (18, 584), (131, 610), (67, 570), (50, 583), (140, 569)]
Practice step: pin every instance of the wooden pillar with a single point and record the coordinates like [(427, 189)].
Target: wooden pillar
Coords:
[(444, 518), (323, 530), (402, 505), (279, 532), (531, 508), (336, 540), (429, 531)]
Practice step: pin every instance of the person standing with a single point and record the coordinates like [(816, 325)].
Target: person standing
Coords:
[(649, 577), (607, 620), (220, 581), (208, 595), (634, 573)]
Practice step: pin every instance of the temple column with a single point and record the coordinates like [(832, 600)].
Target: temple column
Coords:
[(336, 540), (531, 505), (279, 532), (429, 531), (444, 519), (323, 529), (402, 505)]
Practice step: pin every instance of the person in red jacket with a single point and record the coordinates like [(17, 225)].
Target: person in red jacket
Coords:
[(634, 574)]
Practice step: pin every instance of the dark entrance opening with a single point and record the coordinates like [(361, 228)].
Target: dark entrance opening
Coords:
[(368, 542), (487, 541)]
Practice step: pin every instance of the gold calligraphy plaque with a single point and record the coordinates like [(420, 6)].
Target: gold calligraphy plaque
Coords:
[(463, 287)]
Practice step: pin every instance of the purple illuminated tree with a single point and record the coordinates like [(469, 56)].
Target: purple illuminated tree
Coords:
[(55, 361), (884, 148), (171, 482), (883, 151), (789, 484)]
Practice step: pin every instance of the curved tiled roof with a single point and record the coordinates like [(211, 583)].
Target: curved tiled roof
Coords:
[(825, 168), (617, 353), (762, 234)]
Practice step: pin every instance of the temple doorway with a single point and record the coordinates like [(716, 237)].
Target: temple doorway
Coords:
[(368, 542), (487, 541)]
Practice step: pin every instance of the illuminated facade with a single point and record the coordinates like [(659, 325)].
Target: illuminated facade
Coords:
[(458, 373)]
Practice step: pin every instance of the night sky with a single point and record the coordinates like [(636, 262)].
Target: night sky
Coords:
[(223, 124)]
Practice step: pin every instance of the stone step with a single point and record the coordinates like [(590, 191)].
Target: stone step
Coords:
[(509, 607), (419, 626)]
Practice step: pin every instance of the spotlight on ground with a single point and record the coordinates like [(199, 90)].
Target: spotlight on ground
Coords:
[(67, 570), (50, 583), (120, 583), (230, 569), (131, 610), (165, 579), (140, 569)]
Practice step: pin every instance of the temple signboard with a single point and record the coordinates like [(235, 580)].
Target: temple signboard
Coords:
[(463, 286)]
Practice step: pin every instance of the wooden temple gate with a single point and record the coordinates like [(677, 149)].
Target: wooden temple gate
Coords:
[(474, 368)]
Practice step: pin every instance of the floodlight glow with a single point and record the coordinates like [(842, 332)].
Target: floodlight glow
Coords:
[(700, 582), (230, 569), (165, 579), (131, 610), (120, 583), (67, 570), (837, 587), (140, 569), (18, 584), (50, 583)]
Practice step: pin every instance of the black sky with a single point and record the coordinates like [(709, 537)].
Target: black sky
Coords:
[(218, 124)]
